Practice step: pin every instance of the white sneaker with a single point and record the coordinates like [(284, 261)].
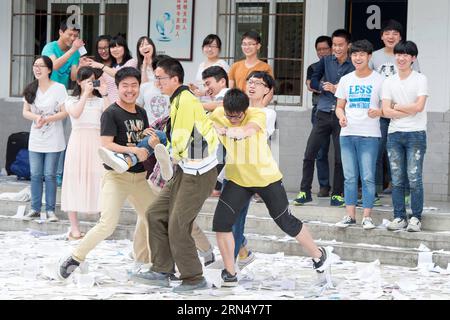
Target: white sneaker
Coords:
[(414, 225), (397, 224), (242, 263), (367, 223), (345, 222), (113, 160), (163, 157), (51, 217)]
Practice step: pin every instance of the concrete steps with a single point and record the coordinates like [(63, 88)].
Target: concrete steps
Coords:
[(353, 243)]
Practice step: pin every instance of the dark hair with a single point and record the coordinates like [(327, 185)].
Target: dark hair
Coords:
[(127, 72), (172, 67), (158, 58), (216, 72), (96, 55), (30, 90), (235, 101), (83, 74), (406, 47), (267, 78), (140, 57), (342, 33), (391, 25), (326, 39), (362, 46), (120, 41), (252, 35), (63, 26), (210, 38)]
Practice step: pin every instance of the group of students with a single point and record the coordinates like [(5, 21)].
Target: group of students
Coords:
[(368, 101), (145, 126)]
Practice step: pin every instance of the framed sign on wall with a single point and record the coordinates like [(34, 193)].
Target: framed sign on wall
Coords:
[(171, 27)]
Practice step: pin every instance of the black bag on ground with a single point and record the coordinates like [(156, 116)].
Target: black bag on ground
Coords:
[(16, 141)]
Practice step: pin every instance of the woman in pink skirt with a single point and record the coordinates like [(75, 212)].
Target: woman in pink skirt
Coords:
[(83, 167)]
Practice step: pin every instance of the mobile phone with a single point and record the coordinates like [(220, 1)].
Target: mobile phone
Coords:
[(96, 83)]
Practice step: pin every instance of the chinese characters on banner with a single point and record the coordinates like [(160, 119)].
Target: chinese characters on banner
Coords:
[(171, 27)]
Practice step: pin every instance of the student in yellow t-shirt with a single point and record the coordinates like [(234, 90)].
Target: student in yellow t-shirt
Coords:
[(250, 168)]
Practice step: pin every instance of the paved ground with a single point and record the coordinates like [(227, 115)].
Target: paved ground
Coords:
[(29, 260)]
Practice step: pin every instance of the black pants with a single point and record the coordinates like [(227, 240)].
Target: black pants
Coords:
[(326, 124), (234, 197)]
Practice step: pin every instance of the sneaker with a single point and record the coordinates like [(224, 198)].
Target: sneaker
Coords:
[(414, 225), (337, 201), (163, 157), (367, 223), (113, 160), (324, 262), (151, 278), (345, 222), (243, 262), (67, 266), (228, 280), (32, 214), (397, 224), (302, 198), (188, 286), (51, 217), (377, 202), (324, 192)]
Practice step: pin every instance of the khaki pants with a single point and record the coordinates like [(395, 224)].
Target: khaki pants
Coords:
[(171, 217), (116, 188)]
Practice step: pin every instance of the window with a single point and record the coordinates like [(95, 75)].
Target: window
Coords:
[(36, 22), (280, 25)]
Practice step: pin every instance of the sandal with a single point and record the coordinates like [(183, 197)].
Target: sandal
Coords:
[(72, 238)]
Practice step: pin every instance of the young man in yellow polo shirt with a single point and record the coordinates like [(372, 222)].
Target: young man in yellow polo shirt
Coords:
[(250, 168)]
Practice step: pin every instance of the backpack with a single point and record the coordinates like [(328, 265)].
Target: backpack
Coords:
[(21, 166), (16, 141)]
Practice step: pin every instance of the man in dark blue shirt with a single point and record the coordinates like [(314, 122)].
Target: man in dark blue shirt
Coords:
[(325, 78)]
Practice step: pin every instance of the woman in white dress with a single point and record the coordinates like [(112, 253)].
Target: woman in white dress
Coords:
[(83, 167)]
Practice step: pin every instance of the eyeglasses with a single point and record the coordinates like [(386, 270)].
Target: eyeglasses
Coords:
[(39, 66), (256, 83), (245, 44), (158, 79), (236, 117), (209, 46)]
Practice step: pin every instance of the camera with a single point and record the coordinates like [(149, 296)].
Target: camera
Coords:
[(96, 83)]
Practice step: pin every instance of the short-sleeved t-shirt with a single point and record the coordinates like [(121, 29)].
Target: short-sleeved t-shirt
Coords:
[(406, 92), (249, 162), (62, 75), (361, 95), (153, 101), (239, 72), (127, 128), (384, 63), (50, 137)]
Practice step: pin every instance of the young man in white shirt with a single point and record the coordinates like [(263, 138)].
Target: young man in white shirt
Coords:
[(404, 97), (358, 109)]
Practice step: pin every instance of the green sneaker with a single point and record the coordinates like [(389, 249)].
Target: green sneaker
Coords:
[(377, 202), (337, 201), (302, 198)]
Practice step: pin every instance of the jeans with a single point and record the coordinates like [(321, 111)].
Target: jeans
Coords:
[(384, 126), (359, 156), (239, 226), (406, 152), (43, 165), (144, 144), (60, 163), (327, 124), (323, 170)]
